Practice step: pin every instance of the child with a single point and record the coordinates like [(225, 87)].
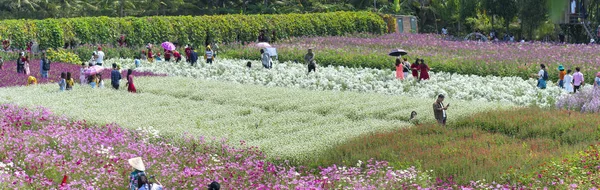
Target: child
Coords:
[(31, 80), (561, 76), (157, 57), (137, 62), (82, 73), (249, 65), (100, 81), (93, 81), (69, 81), (130, 85), (63, 82), (568, 82), (1, 62), (27, 71)]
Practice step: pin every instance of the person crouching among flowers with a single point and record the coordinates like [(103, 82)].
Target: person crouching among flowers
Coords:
[(31, 80)]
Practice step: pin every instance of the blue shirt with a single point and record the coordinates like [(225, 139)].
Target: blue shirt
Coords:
[(137, 62), (62, 84), (115, 76), (133, 179)]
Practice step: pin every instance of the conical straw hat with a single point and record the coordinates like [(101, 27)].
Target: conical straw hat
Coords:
[(137, 163)]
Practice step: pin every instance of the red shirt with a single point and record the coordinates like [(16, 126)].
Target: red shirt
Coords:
[(176, 54), (168, 55), (188, 52), (415, 70), (150, 54)]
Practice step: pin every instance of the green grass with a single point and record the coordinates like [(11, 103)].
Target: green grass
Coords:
[(483, 146)]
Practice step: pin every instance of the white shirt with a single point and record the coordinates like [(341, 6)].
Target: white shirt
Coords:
[(541, 74), (100, 58), (573, 5), (444, 31), (443, 110)]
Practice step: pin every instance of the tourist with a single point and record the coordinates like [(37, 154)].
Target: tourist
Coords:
[(439, 111), (542, 77), (266, 59), (215, 49), (150, 55), (115, 77), (597, 80), (578, 80), (122, 41), (100, 81), (561, 76), (82, 73), (194, 56), (93, 81), (415, 69), (157, 57), (188, 53), (99, 56), (130, 85), (424, 75), (45, 65), (21, 63), (26, 65), (144, 56), (214, 186), (208, 55), (309, 59), (92, 60), (168, 54), (399, 71), (177, 56), (444, 31), (405, 67), (1, 62), (29, 44), (249, 65), (136, 61), (62, 83), (568, 82), (69, 82), (138, 171), (261, 36), (31, 80)]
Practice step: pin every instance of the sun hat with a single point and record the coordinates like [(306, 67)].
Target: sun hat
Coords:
[(561, 68), (137, 163)]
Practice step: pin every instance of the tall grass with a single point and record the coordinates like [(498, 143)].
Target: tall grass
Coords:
[(483, 146)]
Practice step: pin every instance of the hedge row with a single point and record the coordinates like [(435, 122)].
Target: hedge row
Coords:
[(53, 33)]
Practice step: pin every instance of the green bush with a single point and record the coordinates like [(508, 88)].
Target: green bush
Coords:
[(54, 33)]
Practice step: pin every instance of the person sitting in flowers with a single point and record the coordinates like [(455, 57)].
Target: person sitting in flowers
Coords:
[(138, 171), (31, 80)]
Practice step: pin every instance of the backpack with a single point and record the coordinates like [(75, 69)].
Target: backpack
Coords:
[(545, 77), (46, 65)]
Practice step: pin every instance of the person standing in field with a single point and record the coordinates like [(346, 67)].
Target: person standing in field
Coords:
[(26, 65), (542, 77), (424, 75), (188, 53), (405, 67), (439, 110), (399, 71), (208, 55), (168, 54), (62, 83), (578, 80), (266, 59), (415, 69), (568, 82), (82, 73), (561, 76), (99, 56), (115, 77), (194, 56), (130, 85), (149, 56), (309, 59), (45, 65), (21, 63), (69, 82)]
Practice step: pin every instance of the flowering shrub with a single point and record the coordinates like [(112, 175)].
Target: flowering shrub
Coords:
[(9, 76), (63, 56), (586, 100), (511, 90), (283, 122)]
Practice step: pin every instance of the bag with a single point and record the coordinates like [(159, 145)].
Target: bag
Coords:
[(545, 77)]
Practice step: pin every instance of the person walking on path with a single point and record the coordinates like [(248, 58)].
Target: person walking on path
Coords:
[(399, 71), (130, 85), (561, 76), (578, 80), (439, 110), (424, 75), (99, 56), (309, 59), (115, 77), (568, 82), (415, 69), (45, 65)]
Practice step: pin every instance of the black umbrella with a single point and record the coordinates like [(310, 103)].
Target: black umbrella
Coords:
[(397, 52)]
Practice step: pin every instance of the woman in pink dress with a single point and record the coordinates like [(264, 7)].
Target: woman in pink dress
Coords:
[(130, 85), (399, 69), (424, 70)]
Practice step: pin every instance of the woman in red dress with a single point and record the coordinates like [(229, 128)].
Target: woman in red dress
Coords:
[(424, 70), (415, 69), (130, 85)]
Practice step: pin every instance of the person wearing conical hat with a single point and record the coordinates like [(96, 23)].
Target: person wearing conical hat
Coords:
[(139, 170), (561, 76)]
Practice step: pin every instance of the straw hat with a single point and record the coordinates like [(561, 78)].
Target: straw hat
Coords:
[(137, 163)]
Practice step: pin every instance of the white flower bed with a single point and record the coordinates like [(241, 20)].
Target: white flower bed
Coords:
[(465, 87), (284, 122)]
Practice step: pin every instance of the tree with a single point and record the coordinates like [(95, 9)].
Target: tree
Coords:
[(506, 9), (533, 15)]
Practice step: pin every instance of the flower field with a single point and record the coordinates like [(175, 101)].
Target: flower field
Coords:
[(474, 58), (288, 123), (510, 90), (9, 76)]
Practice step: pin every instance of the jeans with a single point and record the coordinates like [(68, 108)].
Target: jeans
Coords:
[(115, 86), (45, 74), (209, 61)]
